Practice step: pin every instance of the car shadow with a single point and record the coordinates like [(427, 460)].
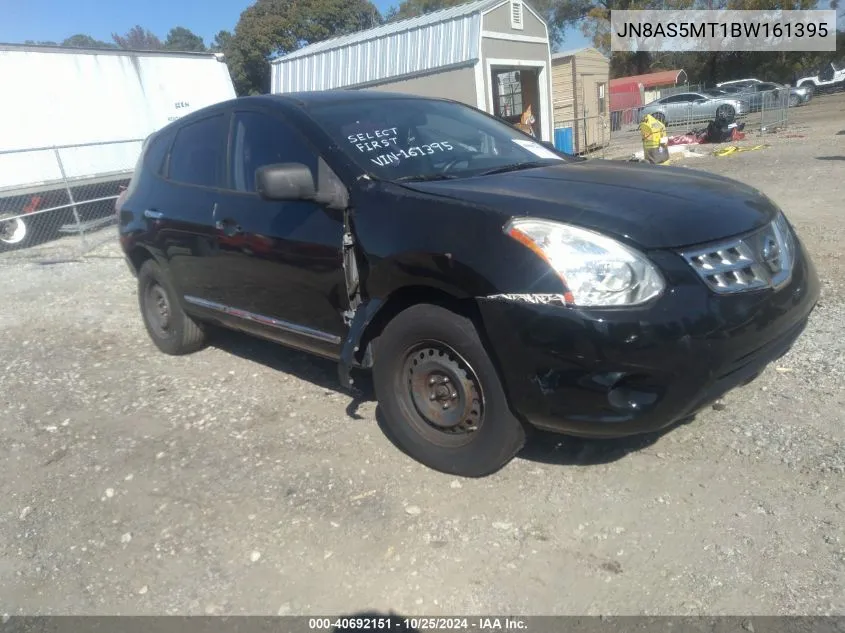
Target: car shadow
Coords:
[(318, 371), (561, 450), (541, 446), (830, 157)]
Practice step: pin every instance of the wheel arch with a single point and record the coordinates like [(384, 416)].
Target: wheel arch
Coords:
[(402, 298), (137, 256), (361, 344)]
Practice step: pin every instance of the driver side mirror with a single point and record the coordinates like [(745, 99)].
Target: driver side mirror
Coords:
[(285, 181)]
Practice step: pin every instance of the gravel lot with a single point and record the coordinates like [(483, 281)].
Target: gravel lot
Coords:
[(238, 480)]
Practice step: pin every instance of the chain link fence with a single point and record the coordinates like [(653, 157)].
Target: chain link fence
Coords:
[(617, 136), (774, 109), (58, 203)]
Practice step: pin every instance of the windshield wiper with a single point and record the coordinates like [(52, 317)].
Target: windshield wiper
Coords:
[(425, 177), (518, 166)]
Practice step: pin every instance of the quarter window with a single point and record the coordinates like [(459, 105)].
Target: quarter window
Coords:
[(157, 152)]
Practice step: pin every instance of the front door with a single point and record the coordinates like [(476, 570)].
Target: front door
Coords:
[(278, 265), (679, 108)]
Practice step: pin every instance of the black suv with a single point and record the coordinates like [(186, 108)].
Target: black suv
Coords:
[(491, 284)]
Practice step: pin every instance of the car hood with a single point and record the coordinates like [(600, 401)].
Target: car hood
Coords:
[(653, 206)]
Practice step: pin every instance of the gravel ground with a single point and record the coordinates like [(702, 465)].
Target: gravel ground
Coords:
[(239, 480)]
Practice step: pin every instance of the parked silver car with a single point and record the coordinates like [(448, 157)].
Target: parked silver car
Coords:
[(757, 92), (704, 105)]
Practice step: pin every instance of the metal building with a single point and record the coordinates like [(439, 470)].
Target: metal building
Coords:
[(492, 54), (581, 100)]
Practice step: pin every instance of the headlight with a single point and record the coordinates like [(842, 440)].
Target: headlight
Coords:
[(596, 270)]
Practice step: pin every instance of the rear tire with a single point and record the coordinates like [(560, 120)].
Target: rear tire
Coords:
[(441, 396), (169, 326), (726, 113)]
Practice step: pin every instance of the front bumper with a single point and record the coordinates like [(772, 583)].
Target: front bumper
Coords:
[(614, 373)]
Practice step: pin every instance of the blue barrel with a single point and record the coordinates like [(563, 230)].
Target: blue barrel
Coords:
[(563, 140)]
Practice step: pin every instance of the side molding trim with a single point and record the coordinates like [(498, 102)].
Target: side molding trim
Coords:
[(278, 324)]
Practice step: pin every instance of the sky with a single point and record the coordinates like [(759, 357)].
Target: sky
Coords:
[(55, 20)]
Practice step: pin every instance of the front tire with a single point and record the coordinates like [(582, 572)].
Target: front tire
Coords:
[(169, 326), (441, 396)]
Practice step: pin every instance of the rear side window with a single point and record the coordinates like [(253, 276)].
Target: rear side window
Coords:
[(197, 154)]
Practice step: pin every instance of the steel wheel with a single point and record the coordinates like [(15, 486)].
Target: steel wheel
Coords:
[(159, 313), (442, 392), (12, 231), (440, 397)]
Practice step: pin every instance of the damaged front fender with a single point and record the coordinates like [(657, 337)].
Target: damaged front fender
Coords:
[(535, 299), (351, 346)]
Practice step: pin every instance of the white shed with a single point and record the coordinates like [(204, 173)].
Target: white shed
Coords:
[(491, 54)]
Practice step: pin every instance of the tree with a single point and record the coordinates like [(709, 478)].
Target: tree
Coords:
[(273, 27), (138, 38), (80, 40), (414, 8), (182, 39), (222, 42)]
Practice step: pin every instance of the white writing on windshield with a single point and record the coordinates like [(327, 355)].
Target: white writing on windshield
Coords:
[(412, 152), (374, 140)]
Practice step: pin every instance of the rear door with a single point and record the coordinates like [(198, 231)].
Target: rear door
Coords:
[(183, 205), (278, 265), (678, 107)]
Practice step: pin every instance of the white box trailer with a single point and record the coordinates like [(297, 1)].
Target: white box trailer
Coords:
[(73, 120)]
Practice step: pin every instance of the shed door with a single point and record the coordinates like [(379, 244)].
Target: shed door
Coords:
[(591, 122)]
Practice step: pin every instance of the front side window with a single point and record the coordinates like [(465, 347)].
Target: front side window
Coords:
[(259, 139), (196, 157), (425, 138)]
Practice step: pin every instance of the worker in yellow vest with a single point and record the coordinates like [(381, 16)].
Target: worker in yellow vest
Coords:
[(655, 142)]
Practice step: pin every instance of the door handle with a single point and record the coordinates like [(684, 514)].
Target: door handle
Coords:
[(152, 214), (229, 227)]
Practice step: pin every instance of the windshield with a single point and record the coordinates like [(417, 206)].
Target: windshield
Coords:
[(426, 139), (715, 93)]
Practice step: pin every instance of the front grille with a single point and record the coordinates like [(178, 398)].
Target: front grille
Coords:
[(760, 260)]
